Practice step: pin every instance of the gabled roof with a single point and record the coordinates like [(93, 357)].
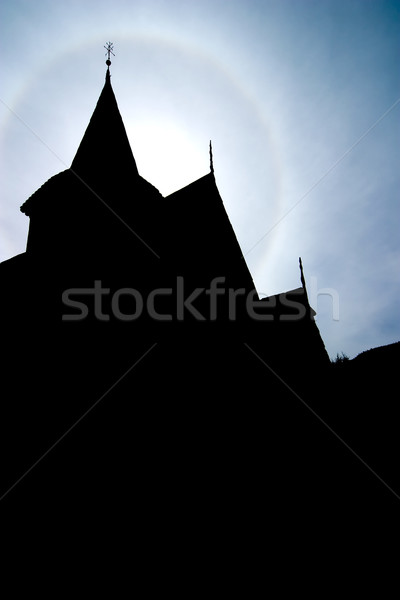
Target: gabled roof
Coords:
[(203, 239)]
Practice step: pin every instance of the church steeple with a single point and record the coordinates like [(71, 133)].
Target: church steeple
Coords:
[(105, 150), (101, 200)]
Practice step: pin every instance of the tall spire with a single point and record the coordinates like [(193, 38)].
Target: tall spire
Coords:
[(105, 147)]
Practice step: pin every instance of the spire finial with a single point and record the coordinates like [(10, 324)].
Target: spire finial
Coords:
[(211, 159), (109, 47), (303, 281)]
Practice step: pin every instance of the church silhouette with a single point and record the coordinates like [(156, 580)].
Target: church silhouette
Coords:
[(141, 368)]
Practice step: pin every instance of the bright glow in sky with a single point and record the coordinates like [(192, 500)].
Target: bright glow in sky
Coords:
[(298, 96)]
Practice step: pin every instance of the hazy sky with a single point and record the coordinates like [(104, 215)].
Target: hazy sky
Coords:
[(301, 99)]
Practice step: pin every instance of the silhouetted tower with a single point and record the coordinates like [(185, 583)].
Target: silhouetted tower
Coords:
[(101, 210)]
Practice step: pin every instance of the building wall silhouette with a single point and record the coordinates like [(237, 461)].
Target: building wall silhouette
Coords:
[(200, 401)]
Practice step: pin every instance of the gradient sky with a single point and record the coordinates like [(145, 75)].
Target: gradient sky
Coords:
[(301, 99)]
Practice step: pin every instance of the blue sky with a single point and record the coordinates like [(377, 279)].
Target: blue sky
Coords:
[(301, 99)]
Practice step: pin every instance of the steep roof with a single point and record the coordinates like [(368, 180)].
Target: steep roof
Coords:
[(103, 172), (104, 157), (202, 238), (105, 144)]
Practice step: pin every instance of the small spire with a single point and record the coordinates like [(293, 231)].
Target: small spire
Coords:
[(302, 279), (211, 159), (303, 283)]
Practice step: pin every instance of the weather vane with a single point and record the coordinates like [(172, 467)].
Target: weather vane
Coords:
[(109, 47)]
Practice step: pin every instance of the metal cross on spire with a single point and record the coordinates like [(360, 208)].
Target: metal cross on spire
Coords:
[(109, 47)]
